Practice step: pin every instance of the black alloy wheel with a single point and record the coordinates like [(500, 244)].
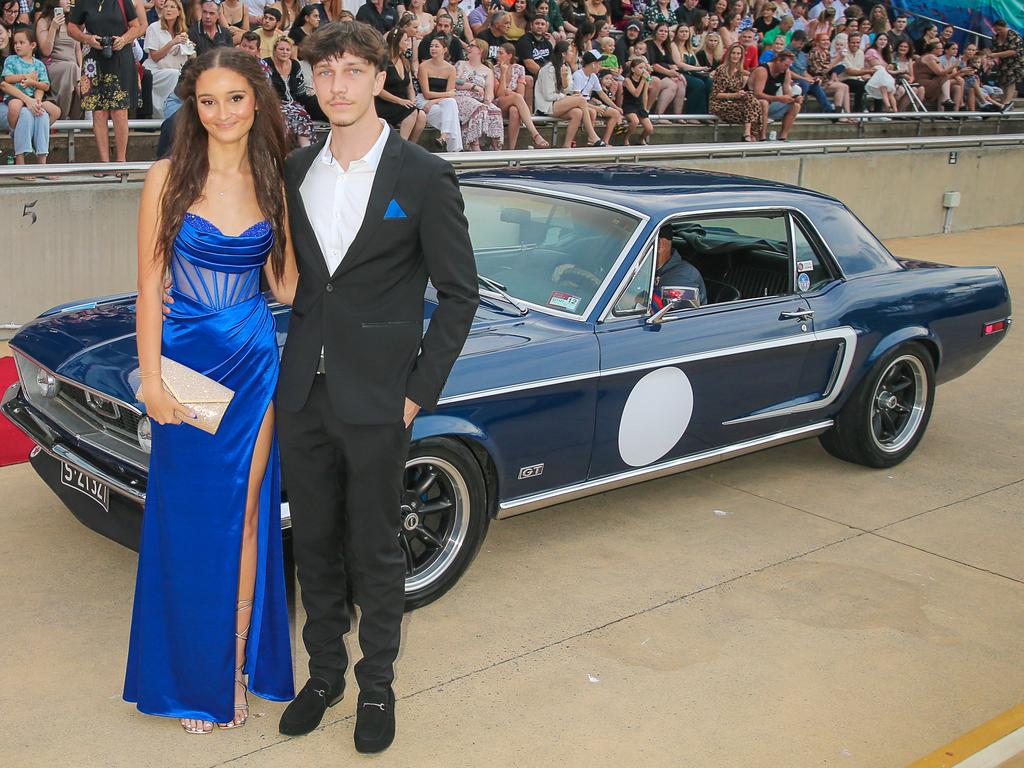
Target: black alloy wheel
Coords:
[(444, 517), (899, 403), (886, 417)]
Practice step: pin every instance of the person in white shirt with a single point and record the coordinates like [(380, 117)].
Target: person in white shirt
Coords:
[(168, 48), (799, 10), (255, 9), (856, 74), (373, 219), (554, 96), (817, 10), (586, 81)]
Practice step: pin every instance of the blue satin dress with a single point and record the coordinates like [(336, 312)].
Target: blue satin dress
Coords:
[(181, 655)]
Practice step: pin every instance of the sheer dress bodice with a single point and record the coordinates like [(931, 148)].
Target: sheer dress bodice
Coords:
[(218, 270)]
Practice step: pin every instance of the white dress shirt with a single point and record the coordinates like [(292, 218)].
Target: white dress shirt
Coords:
[(336, 199), (586, 85), (817, 10)]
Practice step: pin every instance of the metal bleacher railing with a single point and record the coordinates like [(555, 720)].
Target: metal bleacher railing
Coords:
[(81, 130), (124, 172)]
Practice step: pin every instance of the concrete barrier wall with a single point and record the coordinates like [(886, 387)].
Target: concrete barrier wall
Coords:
[(71, 242)]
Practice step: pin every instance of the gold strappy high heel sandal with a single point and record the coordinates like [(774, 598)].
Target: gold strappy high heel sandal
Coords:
[(243, 605), (198, 731)]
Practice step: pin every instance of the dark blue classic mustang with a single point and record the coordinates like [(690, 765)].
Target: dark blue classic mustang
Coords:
[(582, 372)]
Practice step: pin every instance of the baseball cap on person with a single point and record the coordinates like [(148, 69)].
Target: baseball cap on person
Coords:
[(591, 57)]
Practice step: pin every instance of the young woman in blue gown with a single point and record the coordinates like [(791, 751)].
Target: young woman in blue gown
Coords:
[(210, 606)]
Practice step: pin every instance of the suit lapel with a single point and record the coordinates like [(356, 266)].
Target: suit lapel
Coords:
[(299, 216), (381, 194)]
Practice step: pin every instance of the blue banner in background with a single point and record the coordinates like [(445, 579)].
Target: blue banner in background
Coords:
[(976, 15)]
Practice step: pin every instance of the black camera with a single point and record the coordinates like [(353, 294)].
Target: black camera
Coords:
[(107, 50)]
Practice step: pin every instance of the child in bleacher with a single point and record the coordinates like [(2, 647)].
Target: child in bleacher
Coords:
[(608, 58), (28, 74)]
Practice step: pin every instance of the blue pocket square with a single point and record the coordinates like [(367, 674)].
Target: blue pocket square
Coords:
[(394, 211)]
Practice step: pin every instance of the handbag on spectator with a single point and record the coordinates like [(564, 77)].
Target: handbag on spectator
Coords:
[(207, 398)]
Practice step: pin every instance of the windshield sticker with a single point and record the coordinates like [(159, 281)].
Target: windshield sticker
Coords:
[(804, 281), (805, 266), (564, 301)]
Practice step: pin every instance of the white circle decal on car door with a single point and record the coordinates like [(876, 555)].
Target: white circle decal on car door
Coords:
[(656, 415)]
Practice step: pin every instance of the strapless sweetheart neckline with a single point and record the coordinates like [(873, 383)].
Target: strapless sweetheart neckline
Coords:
[(221, 232)]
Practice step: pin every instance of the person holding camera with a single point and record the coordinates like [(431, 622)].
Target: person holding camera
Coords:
[(106, 29)]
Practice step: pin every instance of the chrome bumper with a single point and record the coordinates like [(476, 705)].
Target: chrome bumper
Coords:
[(19, 413)]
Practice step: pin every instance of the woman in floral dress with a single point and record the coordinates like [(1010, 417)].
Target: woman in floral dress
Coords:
[(1008, 49), (731, 102), (474, 93), (108, 81)]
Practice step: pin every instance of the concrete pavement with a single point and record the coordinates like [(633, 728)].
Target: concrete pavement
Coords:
[(783, 609)]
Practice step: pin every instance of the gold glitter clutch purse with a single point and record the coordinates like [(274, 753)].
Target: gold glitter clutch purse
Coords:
[(207, 398)]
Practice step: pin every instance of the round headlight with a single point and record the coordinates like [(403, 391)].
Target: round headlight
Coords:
[(145, 433), (46, 384)]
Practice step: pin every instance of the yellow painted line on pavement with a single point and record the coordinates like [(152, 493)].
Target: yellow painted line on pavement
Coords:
[(974, 741)]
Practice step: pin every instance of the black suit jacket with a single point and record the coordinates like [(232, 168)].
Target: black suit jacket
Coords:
[(368, 315)]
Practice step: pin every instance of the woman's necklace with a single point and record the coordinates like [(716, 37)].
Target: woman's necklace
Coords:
[(228, 188)]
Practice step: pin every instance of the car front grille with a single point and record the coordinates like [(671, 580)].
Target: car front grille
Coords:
[(100, 411)]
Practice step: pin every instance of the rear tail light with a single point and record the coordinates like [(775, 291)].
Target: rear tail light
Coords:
[(997, 327)]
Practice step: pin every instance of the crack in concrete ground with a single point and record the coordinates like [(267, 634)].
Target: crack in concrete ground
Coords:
[(874, 532), (567, 639)]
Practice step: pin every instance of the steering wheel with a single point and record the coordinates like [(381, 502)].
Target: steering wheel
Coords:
[(573, 277)]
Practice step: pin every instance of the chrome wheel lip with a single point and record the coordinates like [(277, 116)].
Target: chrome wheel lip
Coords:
[(882, 398), (456, 537)]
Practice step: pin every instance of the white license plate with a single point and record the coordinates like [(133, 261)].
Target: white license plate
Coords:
[(73, 477)]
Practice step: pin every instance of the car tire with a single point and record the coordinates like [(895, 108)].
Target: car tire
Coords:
[(444, 517), (887, 415)]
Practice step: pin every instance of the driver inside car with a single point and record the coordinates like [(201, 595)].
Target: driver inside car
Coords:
[(674, 270)]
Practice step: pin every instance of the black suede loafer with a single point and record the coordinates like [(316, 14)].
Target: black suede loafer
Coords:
[(307, 709), (375, 722)]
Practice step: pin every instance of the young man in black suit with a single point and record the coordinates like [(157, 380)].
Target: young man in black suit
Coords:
[(368, 231)]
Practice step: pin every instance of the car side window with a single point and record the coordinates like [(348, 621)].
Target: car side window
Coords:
[(636, 297), (729, 258), (812, 272)]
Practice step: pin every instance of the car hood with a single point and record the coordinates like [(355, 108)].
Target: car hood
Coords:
[(95, 345)]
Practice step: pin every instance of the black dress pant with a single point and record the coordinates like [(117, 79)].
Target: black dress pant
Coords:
[(344, 484), (145, 110), (857, 87)]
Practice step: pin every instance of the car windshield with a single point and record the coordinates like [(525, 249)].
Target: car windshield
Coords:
[(547, 251)]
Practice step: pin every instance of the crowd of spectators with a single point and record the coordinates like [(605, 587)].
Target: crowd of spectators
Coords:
[(482, 71)]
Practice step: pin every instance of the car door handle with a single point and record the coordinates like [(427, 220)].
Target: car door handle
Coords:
[(802, 315)]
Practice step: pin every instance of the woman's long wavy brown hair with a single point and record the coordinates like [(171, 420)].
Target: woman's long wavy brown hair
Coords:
[(190, 163)]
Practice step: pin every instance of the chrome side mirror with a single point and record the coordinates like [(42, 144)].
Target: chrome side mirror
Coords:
[(678, 298)]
